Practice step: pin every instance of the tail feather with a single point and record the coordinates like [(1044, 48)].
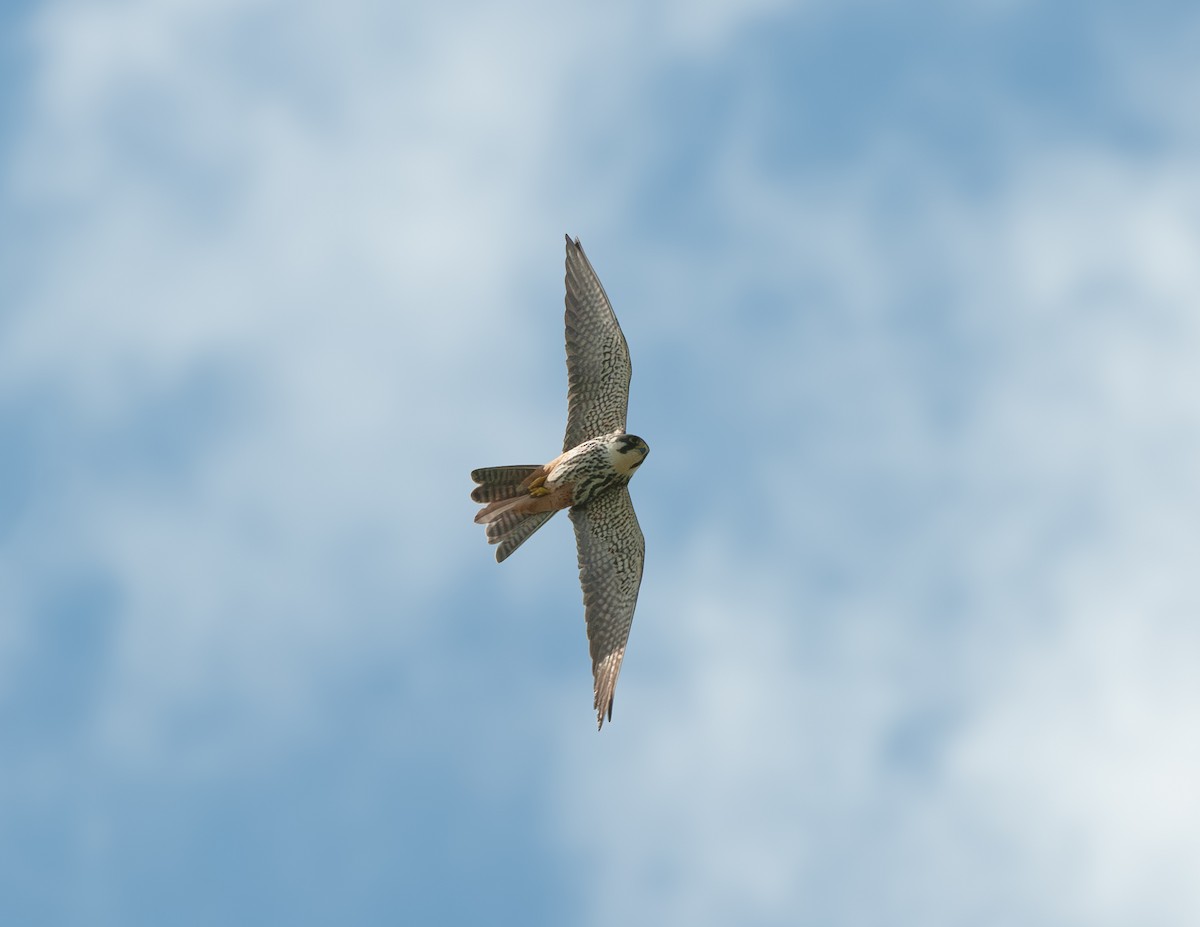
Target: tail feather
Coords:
[(496, 483), (518, 529), (509, 523)]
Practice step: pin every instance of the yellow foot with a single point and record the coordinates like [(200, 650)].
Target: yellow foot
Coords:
[(538, 491)]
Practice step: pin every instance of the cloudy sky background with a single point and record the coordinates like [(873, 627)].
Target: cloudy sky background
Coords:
[(913, 296)]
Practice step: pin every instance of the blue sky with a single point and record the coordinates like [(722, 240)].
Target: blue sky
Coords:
[(911, 292)]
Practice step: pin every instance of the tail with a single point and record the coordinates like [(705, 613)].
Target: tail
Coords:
[(505, 490)]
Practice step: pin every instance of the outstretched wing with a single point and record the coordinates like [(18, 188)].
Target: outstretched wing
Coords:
[(598, 368), (611, 553)]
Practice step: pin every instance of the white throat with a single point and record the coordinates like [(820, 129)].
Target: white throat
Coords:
[(625, 464)]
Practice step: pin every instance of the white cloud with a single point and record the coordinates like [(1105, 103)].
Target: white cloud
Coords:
[(340, 210), (1048, 716), (327, 247), (965, 694)]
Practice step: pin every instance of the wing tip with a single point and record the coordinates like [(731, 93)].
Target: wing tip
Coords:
[(601, 713)]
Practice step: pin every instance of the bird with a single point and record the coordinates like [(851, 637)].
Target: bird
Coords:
[(590, 478)]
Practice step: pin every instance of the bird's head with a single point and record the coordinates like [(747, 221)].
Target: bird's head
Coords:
[(630, 451)]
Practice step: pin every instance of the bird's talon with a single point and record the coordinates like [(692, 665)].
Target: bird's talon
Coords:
[(538, 491)]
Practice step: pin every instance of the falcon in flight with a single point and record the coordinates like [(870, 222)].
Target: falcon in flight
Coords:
[(591, 478)]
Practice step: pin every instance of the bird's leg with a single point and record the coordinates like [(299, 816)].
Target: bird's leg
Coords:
[(537, 487)]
